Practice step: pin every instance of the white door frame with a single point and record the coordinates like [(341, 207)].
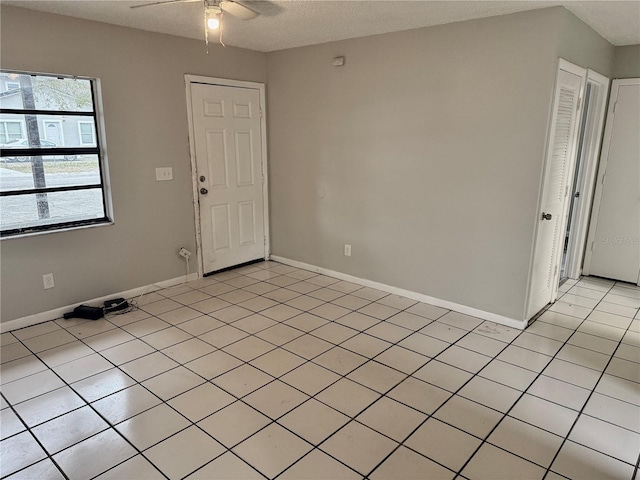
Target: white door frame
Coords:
[(594, 125), (579, 71), (602, 168), (190, 79)]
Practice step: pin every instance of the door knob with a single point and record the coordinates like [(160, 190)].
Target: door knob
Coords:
[(204, 191), (545, 216)]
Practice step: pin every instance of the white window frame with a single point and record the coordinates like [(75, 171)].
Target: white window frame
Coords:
[(23, 128), (93, 133), (99, 149), (6, 86)]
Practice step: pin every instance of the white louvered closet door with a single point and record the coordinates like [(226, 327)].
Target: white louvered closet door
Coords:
[(559, 168)]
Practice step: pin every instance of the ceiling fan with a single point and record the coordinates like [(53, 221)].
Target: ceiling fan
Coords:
[(213, 12)]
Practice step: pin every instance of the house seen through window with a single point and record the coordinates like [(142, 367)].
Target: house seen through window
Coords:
[(51, 165)]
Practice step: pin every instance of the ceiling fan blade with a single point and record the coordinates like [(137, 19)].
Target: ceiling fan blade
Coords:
[(238, 10), (163, 3)]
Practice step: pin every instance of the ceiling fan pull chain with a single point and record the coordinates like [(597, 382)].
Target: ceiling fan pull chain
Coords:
[(206, 29), (221, 28)]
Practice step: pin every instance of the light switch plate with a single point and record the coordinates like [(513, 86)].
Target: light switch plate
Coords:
[(164, 173)]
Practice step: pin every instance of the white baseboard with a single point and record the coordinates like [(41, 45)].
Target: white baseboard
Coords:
[(474, 312), (59, 312)]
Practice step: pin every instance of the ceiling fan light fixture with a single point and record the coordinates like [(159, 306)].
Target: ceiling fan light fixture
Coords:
[(213, 22)]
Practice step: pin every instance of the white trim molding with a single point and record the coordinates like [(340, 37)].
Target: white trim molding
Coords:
[(59, 312), (456, 307)]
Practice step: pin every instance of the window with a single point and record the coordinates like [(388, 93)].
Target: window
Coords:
[(8, 86), (51, 161), (10, 131), (85, 131)]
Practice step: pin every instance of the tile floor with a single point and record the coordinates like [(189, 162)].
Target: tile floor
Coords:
[(269, 371)]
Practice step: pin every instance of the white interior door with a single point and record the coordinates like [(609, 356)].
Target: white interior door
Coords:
[(228, 151), (558, 171), (614, 248)]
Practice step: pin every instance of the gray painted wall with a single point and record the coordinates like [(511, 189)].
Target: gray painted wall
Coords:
[(143, 89), (627, 62), (428, 145)]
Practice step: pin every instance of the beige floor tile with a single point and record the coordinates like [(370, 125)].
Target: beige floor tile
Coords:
[(481, 344), (524, 358), (272, 450), (366, 345), (226, 467), (20, 368), (200, 402), (108, 339), (82, 368), (280, 313), (277, 362), (184, 453), (47, 406), (491, 463), (165, 338), (180, 315), (443, 375), (409, 321), (377, 377), (81, 461), (18, 452), (577, 461), (234, 423), (214, 364), (434, 439), (334, 332), (305, 322), (358, 446), (223, 336), (307, 346), (254, 323), (173, 382), (340, 360), (125, 352), (31, 386), (527, 441), (317, 465), (102, 384), (490, 394), (200, 324), (544, 414), (402, 359), (538, 343), (275, 399), (242, 380), (507, 374), (248, 348), (126, 403), (136, 467), (10, 423), (310, 378), (279, 334), (329, 311), (496, 331), (313, 421), (444, 332), (465, 359), (572, 373), (377, 310), (391, 418), (419, 395), (188, 350), (148, 366), (69, 429), (43, 469), (469, 416), (49, 340), (606, 438), (405, 464), (388, 331), (29, 332), (358, 321), (559, 392), (619, 388), (152, 426), (622, 414), (351, 302), (348, 397)]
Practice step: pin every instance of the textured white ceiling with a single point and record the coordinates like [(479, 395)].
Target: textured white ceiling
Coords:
[(294, 23)]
